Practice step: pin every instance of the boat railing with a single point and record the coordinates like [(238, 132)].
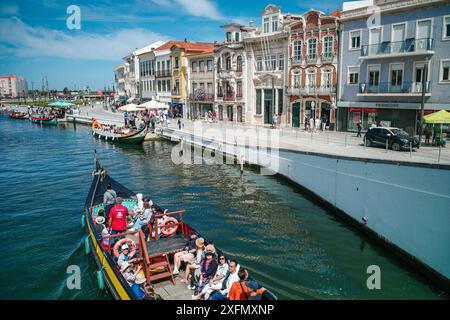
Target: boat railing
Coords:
[(157, 216)]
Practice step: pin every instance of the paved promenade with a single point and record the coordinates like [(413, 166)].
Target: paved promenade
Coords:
[(334, 143)]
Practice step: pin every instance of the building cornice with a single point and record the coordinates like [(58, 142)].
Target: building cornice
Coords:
[(389, 7)]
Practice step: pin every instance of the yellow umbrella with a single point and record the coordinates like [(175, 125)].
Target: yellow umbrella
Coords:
[(438, 117)]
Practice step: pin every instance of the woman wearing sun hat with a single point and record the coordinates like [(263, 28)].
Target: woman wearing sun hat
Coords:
[(192, 265)]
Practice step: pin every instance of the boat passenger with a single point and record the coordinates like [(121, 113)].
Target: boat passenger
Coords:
[(128, 273), (197, 263), (207, 271), (105, 239), (118, 218), (228, 281), (109, 199), (216, 282), (100, 224), (245, 287), (124, 255), (187, 255), (143, 218), (138, 286), (140, 202)]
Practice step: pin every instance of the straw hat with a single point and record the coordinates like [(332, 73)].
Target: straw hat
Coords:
[(200, 242), (100, 220), (124, 267)]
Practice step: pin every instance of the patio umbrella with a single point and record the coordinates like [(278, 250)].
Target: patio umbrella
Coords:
[(131, 107), (438, 117), (154, 105), (60, 104)]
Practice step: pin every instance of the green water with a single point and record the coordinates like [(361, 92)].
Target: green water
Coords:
[(291, 244)]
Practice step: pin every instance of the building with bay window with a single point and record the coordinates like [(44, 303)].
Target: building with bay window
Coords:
[(388, 62)]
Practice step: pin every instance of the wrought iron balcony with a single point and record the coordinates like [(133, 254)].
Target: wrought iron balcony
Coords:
[(201, 97), (312, 90), (311, 58), (296, 60), (327, 57), (229, 97), (407, 47), (405, 88)]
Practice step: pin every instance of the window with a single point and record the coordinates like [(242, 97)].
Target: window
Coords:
[(327, 78), (281, 62), (396, 76), (270, 63), (274, 23), (177, 63), (328, 47), (355, 40), (312, 48), (311, 78), (446, 28), (159, 85), (177, 87), (168, 65), (353, 75), (445, 71), (296, 80), (210, 65), (194, 67), (266, 25), (229, 36), (158, 66), (237, 37), (228, 63), (202, 66), (210, 88), (168, 85), (373, 78), (239, 64), (164, 88), (163, 66), (258, 101), (259, 64), (239, 89), (297, 54)]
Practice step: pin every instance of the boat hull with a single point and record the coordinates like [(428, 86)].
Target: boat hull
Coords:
[(134, 139), (47, 121)]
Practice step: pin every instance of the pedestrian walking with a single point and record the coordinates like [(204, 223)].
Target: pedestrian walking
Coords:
[(179, 123), (359, 125)]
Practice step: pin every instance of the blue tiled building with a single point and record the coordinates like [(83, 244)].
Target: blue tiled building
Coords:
[(385, 45)]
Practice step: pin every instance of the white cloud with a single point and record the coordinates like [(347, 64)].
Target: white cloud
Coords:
[(25, 41), (197, 8)]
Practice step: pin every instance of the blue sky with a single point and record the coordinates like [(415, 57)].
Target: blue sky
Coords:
[(35, 41)]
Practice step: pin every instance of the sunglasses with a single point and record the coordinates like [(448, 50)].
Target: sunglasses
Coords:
[(222, 258)]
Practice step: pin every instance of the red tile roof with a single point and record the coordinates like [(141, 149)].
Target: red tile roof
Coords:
[(191, 46), (336, 13)]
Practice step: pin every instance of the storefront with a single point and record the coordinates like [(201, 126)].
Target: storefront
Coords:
[(367, 116)]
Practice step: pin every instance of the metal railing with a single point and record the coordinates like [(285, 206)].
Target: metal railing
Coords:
[(407, 46), (312, 90), (387, 87), (311, 58), (296, 60), (229, 97), (327, 57), (202, 97)]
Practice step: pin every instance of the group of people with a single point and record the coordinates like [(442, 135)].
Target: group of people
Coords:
[(211, 276), (145, 118), (433, 133), (314, 124)]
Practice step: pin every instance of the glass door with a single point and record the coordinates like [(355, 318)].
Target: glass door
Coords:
[(374, 41), (398, 37), (423, 38)]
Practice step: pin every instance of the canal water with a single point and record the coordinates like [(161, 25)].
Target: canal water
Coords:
[(289, 242)]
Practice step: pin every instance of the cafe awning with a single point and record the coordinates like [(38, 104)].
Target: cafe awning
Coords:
[(442, 116)]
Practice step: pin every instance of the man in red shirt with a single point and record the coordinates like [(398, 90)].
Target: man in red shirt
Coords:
[(118, 218)]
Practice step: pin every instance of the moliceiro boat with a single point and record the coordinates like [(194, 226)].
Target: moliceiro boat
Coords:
[(134, 137), (52, 120), (18, 115), (151, 249)]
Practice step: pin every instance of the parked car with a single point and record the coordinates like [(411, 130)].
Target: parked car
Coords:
[(397, 139)]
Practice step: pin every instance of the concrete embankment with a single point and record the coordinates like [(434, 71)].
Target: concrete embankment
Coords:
[(405, 206)]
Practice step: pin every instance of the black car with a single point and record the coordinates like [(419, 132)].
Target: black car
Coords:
[(397, 139)]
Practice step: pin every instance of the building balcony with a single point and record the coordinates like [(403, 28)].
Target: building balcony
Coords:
[(312, 90), (388, 49), (327, 57), (388, 89), (202, 97), (239, 96), (295, 60), (229, 97), (163, 73), (311, 58)]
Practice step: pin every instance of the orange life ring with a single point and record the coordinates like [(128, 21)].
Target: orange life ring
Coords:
[(130, 243), (169, 226)]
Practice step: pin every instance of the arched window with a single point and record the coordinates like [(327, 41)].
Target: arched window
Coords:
[(327, 78), (311, 78), (239, 64), (312, 48), (296, 79), (327, 47), (297, 51), (228, 63)]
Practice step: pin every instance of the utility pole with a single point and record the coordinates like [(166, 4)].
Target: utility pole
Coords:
[(422, 108)]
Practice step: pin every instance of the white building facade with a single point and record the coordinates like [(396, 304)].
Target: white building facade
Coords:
[(13, 86)]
